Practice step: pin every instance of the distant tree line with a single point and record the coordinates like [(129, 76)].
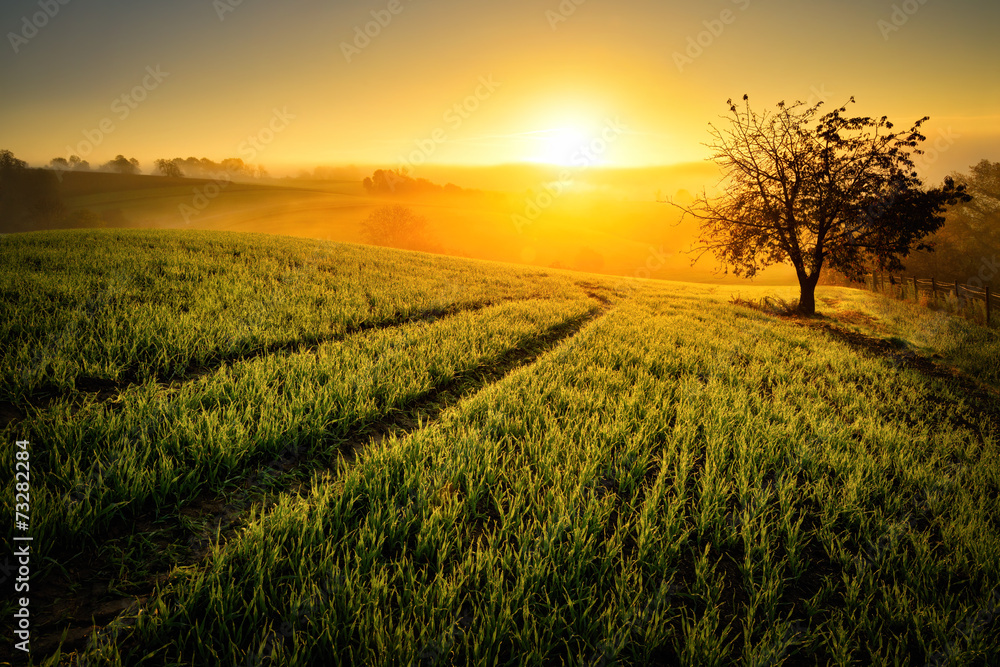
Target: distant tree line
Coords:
[(174, 167), (74, 163), (119, 165), (205, 168), (388, 182), (349, 173), (30, 199)]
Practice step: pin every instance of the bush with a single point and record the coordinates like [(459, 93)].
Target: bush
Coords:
[(396, 227)]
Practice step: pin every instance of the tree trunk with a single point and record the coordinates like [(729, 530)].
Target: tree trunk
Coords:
[(807, 295)]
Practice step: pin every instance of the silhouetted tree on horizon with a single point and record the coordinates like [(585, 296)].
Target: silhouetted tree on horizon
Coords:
[(122, 165), (206, 168), (842, 193), (29, 198), (74, 163), (169, 168), (387, 182)]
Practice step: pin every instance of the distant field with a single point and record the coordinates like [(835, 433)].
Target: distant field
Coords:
[(333, 210), (262, 450), (588, 228)]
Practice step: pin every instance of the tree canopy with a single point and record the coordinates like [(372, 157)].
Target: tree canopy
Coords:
[(814, 191), (122, 165), (396, 182), (168, 168), (966, 248), (29, 198)]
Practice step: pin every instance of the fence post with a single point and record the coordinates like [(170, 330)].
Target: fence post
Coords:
[(957, 295), (987, 305), (933, 289), (916, 290)]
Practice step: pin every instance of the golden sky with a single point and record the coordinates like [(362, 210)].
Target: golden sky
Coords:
[(433, 82)]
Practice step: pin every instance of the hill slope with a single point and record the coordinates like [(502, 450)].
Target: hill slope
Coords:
[(617, 230), (280, 450)]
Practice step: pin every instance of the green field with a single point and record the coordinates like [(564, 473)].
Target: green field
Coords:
[(263, 450)]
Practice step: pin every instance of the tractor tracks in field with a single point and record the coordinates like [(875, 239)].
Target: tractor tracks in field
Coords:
[(103, 390), (984, 401), (77, 601)]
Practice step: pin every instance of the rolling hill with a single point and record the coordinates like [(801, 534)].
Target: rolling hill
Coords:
[(618, 229), (249, 449)]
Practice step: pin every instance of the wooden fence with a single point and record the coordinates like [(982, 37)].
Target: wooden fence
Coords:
[(905, 288)]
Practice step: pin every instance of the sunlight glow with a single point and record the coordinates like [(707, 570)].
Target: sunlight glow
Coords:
[(559, 145)]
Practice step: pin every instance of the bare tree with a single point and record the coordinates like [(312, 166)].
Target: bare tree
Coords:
[(842, 193)]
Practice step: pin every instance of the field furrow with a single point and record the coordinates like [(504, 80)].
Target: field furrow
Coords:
[(275, 451), (153, 306), (212, 518), (167, 446), (87, 388), (666, 489)]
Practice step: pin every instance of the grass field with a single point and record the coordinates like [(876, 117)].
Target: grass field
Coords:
[(254, 450)]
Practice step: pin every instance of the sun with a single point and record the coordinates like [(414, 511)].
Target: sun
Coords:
[(558, 145)]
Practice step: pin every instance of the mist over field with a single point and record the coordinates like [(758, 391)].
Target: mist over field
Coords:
[(599, 219)]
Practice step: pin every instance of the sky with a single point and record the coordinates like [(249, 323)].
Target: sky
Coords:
[(418, 83)]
